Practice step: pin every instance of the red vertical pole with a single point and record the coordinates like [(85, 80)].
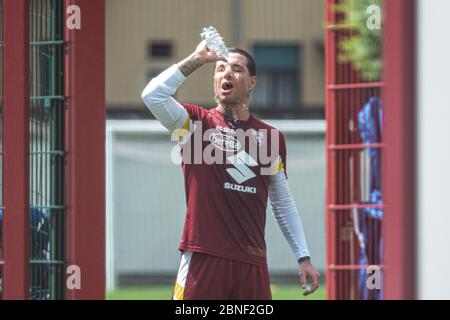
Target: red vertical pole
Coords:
[(329, 275), (399, 155), (330, 136), (85, 86), (16, 149)]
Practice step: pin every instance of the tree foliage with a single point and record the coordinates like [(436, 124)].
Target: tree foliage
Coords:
[(362, 47)]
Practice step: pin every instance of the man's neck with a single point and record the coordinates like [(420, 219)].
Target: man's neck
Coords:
[(235, 111)]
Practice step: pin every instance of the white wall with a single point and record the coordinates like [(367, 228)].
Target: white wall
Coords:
[(433, 152)]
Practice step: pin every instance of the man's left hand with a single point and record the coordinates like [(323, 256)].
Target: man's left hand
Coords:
[(308, 272)]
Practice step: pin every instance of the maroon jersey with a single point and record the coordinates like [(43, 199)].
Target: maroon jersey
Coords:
[(226, 201)]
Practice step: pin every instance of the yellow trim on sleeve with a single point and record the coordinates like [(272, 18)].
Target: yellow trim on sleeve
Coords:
[(277, 168), (178, 292), (186, 125), (179, 134)]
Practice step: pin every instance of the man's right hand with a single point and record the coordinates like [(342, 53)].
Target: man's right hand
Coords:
[(206, 55), (199, 57)]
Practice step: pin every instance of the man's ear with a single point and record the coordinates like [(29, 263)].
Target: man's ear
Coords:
[(253, 82)]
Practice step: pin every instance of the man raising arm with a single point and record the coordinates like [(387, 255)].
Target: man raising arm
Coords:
[(226, 202)]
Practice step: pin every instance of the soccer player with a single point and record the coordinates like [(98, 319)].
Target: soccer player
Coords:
[(223, 247)]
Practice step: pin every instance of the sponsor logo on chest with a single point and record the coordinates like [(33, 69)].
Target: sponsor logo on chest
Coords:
[(224, 142), (240, 188)]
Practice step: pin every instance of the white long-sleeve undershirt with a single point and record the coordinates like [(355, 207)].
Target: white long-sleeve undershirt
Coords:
[(286, 214), (157, 96)]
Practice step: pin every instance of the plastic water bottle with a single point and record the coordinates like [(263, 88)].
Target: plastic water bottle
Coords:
[(214, 42)]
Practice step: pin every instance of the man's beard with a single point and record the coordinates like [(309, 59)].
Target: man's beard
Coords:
[(225, 101), (218, 100)]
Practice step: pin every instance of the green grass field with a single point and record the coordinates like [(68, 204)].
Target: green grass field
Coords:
[(279, 292)]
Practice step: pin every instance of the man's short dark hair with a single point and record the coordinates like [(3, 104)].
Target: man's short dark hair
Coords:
[(251, 64)]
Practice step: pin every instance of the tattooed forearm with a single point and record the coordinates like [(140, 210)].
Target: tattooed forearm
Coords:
[(189, 65)]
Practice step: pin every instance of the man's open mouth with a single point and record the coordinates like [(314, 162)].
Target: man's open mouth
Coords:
[(227, 86)]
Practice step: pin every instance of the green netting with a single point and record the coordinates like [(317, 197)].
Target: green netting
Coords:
[(47, 149)]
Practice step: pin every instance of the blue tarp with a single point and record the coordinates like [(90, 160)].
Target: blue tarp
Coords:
[(369, 219)]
